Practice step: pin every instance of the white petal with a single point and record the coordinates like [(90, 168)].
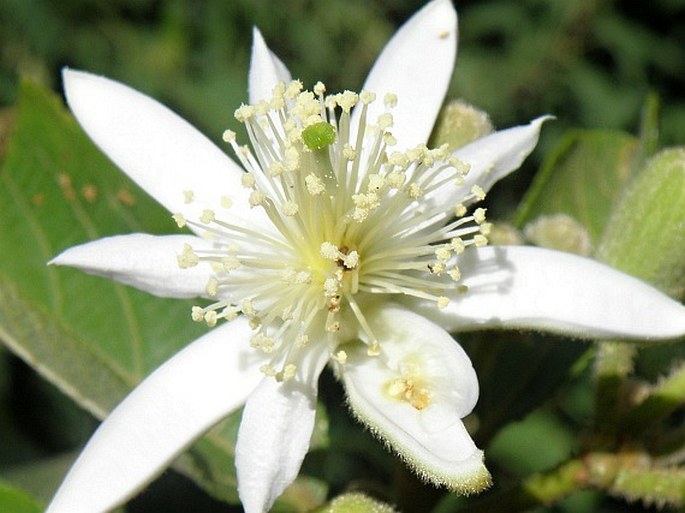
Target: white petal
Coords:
[(266, 70), (275, 432), (146, 262), (416, 65), (158, 149), (490, 158), (414, 394), (527, 287), (176, 404)]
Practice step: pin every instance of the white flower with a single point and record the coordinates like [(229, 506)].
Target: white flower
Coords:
[(340, 244)]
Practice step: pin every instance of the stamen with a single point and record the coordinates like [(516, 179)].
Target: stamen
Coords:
[(349, 218)]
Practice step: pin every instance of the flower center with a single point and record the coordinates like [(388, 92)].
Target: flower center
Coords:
[(348, 219)]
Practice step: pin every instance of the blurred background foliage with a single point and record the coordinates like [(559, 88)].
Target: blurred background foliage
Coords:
[(591, 63)]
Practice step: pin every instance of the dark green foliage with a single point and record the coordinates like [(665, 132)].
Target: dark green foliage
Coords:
[(594, 64)]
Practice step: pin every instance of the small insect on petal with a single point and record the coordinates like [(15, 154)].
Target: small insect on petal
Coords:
[(318, 136)]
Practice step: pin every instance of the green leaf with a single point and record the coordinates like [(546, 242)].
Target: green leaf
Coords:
[(522, 371), (583, 178), (518, 448), (645, 237), (356, 502), (13, 500), (39, 477), (92, 338)]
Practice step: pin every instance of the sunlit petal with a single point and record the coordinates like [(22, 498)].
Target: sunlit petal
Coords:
[(490, 159), (414, 394), (147, 262), (176, 404), (266, 70), (274, 435), (158, 149), (416, 65), (527, 287)]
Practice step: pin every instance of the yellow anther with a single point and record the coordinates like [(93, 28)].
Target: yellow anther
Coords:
[(256, 198), (290, 208), (314, 185), (319, 89), (334, 327), (212, 287), (351, 260), (399, 159), (293, 89), (268, 370), (331, 287), (347, 100), (415, 191), (396, 179), (289, 372), (437, 268), (291, 160), (349, 153), (247, 307), (455, 274), (390, 100), (262, 108), (180, 219), (376, 182), (478, 192), (244, 112), (247, 180), (443, 253), (208, 215), (228, 136), (230, 313), (229, 263), (263, 342), (211, 318), (197, 314), (329, 251), (341, 356), (458, 245), (367, 97), (461, 166), (408, 390), (276, 169), (389, 139), (187, 258), (373, 349), (385, 120)]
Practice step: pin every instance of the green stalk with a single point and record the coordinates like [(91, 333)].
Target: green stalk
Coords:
[(644, 237)]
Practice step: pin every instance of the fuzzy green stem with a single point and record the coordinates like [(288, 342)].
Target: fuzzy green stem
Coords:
[(662, 400), (537, 490), (613, 364), (355, 502), (633, 477), (644, 237), (628, 475)]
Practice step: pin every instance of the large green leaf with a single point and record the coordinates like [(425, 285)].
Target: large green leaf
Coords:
[(583, 177), (92, 338), (13, 500)]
